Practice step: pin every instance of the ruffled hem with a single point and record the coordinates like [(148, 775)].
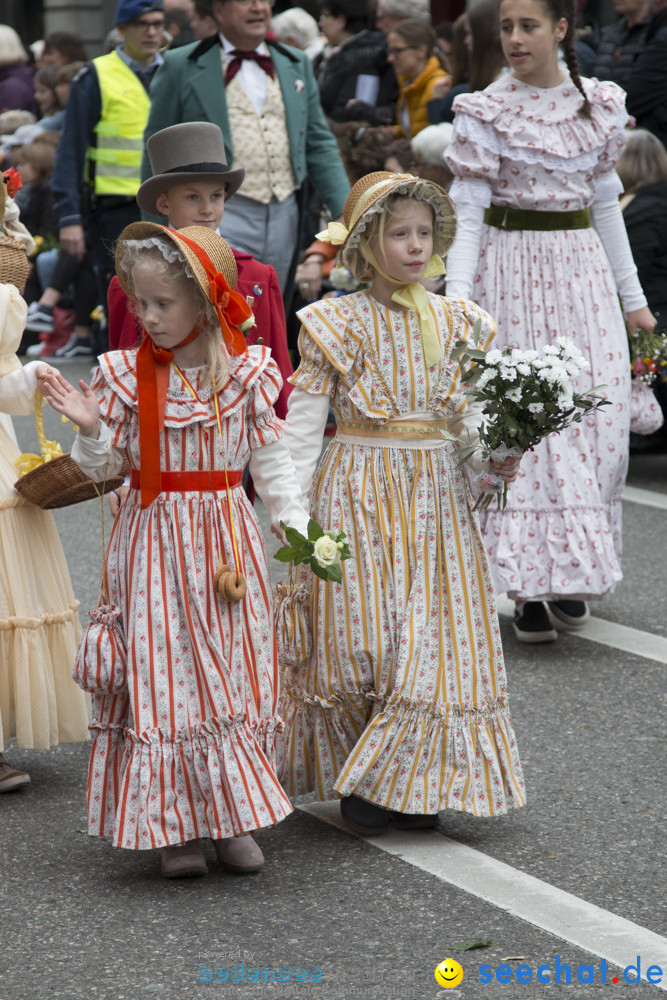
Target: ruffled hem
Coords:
[(116, 385), (410, 757), (546, 123), (563, 552), (216, 780), (40, 705)]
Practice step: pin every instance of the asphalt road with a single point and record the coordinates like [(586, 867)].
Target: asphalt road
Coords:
[(373, 918)]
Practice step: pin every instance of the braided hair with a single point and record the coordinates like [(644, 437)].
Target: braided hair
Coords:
[(558, 9)]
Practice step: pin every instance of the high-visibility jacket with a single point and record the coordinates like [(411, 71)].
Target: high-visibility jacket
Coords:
[(115, 161)]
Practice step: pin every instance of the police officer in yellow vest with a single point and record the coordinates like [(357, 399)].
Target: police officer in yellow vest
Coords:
[(98, 164)]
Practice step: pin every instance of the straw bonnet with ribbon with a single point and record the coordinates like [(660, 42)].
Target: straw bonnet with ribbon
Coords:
[(367, 199), (212, 264), (186, 153)]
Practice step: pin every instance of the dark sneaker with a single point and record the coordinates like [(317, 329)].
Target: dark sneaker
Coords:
[(568, 615), (532, 623), (363, 817), (76, 347), (40, 318)]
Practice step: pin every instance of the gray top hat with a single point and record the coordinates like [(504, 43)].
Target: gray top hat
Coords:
[(189, 152)]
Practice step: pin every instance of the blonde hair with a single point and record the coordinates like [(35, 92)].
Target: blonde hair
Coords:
[(643, 161), (11, 47), (177, 271), (357, 261)]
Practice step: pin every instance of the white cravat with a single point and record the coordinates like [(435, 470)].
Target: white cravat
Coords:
[(251, 76)]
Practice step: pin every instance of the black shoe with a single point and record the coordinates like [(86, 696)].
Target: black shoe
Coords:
[(567, 615), (363, 817), (532, 623), (414, 821), (76, 347)]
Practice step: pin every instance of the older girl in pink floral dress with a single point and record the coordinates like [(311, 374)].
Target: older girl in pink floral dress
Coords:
[(543, 248)]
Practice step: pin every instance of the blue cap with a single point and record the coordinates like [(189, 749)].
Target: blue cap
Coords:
[(130, 10)]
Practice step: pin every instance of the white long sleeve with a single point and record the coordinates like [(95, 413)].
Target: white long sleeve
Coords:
[(607, 219), (18, 389), (96, 456), (463, 258), (307, 414), (276, 483)]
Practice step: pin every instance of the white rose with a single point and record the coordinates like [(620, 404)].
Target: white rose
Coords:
[(326, 551)]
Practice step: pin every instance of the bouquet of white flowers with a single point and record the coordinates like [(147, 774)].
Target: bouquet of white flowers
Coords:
[(322, 550), (526, 395)]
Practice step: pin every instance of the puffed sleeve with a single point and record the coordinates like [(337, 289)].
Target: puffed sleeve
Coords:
[(610, 119), (264, 425), (473, 155), (329, 342), (104, 457)]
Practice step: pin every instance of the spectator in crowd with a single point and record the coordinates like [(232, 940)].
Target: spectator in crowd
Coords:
[(51, 110), (65, 76), (35, 164), (61, 48), (354, 61), (398, 157), (202, 20), (620, 42), (296, 27), (389, 13), (645, 82), (16, 76), (102, 143), (643, 172), (269, 111), (363, 148), (177, 24), (444, 35), (411, 47), (428, 149), (477, 58)]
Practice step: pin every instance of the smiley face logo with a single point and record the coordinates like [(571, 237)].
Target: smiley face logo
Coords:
[(449, 973)]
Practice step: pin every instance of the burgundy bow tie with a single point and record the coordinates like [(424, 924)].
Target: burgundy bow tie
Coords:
[(237, 59)]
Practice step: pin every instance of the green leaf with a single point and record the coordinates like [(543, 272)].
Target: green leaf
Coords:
[(335, 573), (315, 530), (471, 945), (285, 554), (317, 569), (294, 537)]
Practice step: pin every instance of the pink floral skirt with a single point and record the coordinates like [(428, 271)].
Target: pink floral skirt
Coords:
[(560, 534)]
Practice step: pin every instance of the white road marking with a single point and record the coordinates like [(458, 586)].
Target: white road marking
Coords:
[(648, 498), (568, 917), (622, 637)]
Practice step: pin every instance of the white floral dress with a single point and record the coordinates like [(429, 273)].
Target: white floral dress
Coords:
[(404, 699), (188, 749), (524, 147)]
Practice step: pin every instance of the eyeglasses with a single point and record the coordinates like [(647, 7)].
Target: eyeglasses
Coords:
[(146, 26), (396, 51)]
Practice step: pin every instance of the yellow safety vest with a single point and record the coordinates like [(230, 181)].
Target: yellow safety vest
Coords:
[(120, 129)]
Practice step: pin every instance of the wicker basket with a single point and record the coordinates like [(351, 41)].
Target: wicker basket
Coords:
[(14, 263), (59, 482)]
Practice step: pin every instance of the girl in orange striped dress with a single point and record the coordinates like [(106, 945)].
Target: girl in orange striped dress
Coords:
[(401, 708), (185, 749)]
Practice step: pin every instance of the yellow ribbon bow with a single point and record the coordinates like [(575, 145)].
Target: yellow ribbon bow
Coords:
[(49, 449), (335, 233)]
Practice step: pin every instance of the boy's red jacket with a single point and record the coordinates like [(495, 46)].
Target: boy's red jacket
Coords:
[(254, 279)]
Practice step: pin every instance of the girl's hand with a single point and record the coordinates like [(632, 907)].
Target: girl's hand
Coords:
[(441, 88), (42, 372), (507, 470), (309, 276), (79, 405), (117, 499), (641, 319)]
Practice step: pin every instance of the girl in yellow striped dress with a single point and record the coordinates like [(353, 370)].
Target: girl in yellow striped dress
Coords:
[(400, 707)]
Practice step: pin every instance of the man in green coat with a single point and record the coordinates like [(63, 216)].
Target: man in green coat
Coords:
[(265, 99)]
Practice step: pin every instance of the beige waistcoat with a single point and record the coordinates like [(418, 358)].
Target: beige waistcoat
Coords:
[(260, 143)]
